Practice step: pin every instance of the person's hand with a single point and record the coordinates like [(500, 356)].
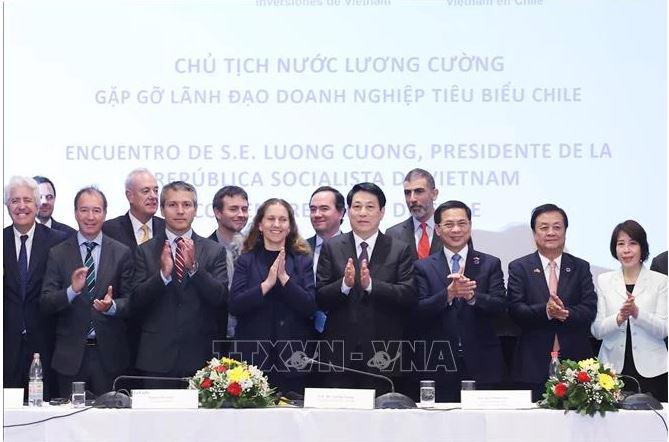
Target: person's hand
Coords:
[(555, 308), (365, 278), (460, 286), (281, 269), (78, 279), (103, 305), (629, 307), (270, 281), (166, 262), (188, 252), (349, 273)]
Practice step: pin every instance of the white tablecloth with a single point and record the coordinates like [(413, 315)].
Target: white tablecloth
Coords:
[(296, 425)]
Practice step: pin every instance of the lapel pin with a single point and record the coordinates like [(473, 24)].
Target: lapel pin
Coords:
[(476, 260), (537, 271), (568, 269)]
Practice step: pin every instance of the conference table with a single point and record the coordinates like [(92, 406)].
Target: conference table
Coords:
[(446, 423)]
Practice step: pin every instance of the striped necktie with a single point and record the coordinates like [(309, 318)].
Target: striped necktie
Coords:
[(90, 265), (179, 259)]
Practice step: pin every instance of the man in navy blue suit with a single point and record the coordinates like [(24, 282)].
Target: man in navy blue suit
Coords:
[(552, 299), (460, 292), (26, 249)]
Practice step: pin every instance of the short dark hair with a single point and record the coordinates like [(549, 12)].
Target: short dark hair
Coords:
[(340, 204), (544, 208), (42, 179), (367, 187), (420, 173), (452, 204), (229, 191), (175, 186), (90, 189), (636, 232)]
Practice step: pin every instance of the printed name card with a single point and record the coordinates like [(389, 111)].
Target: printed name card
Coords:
[(496, 399), (164, 398), (359, 399)]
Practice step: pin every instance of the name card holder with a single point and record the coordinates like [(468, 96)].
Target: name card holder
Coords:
[(496, 399), (164, 398), (347, 398)]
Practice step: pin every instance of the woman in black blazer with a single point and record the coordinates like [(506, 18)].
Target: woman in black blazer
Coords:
[(273, 297)]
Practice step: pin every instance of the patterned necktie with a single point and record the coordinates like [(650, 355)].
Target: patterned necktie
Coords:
[(455, 267), (179, 259), (90, 282), (145, 234), (552, 288), (23, 266), (90, 265), (423, 243), (363, 254)]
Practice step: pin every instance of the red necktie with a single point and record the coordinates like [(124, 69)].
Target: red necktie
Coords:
[(179, 259), (424, 243)]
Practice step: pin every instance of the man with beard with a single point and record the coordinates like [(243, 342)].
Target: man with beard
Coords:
[(418, 230)]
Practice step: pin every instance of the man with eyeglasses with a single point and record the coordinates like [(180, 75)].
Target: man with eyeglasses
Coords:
[(87, 289), (460, 292)]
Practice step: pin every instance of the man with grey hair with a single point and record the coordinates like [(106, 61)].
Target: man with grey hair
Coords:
[(139, 223), (26, 248), (420, 194), (181, 287)]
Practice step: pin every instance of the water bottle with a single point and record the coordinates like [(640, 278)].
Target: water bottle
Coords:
[(35, 384), (554, 366)]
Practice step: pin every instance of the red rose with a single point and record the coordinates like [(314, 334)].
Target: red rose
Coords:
[(206, 383), (220, 368), (234, 389), (583, 377), (560, 390)]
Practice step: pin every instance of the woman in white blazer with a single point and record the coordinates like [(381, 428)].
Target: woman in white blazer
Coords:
[(632, 313)]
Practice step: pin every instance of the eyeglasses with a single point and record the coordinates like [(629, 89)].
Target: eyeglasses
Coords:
[(451, 225)]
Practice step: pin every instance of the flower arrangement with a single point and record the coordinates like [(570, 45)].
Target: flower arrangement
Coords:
[(585, 386), (226, 382)]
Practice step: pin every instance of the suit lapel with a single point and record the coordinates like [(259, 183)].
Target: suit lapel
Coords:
[(472, 264), (103, 272), (409, 236), (11, 263), (538, 277), (564, 281), (441, 267), (37, 253), (127, 228)]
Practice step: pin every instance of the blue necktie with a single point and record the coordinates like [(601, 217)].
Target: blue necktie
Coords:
[(455, 267), (23, 266)]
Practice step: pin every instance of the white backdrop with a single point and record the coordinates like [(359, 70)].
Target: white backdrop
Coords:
[(510, 104)]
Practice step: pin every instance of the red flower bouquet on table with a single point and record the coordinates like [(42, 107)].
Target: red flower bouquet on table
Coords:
[(585, 386), (226, 382)]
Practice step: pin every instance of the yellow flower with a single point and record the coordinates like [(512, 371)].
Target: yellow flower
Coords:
[(229, 362), (606, 381), (589, 363), (238, 374)]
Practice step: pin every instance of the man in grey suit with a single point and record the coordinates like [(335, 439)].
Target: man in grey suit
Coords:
[(420, 194), (181, 285), (86, 287)]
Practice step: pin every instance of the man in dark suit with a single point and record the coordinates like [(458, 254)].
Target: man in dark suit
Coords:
[(231, 209), (420, 194), (139, 223), (86, 287), (47, 203), (326, 212), (26, 248), (552, 299), (181, 283), (659, 263), (365, 283), (460, 292), (136, 226)]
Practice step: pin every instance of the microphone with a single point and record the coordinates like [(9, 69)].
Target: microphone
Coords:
[(116, 399), (639, 400), (388, 400)]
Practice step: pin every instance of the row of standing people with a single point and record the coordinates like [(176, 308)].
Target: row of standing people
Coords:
[(378, 311)]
